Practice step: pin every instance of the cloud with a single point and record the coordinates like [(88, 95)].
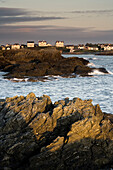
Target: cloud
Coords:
[(23, 28), (50, 33), (11, 20), (92, 12), (17, 15), (4, 12)]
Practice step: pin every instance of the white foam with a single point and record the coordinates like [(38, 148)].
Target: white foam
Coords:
[(96, 72), (95, 58), (110, 72), (85, 58), (90, 64), (19, 80)]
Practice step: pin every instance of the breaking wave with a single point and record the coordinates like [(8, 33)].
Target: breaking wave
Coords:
[(91, 64), (98, 72)]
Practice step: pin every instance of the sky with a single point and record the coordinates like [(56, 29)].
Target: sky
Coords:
[(72, 21)]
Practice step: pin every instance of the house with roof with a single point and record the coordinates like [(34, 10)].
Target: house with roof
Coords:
[(15, 46), (108, 47), (81, 47), (30, 44), (8, 47), (59, 43), (3, 47), (43, 43), (93, 48), (70, 48)]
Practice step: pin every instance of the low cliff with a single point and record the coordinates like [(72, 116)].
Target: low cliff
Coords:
[(69, 134)]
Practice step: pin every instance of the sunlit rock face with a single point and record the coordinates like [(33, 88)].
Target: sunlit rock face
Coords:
[(69, 134)]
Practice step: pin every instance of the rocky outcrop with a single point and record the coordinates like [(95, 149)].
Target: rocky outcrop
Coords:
[(69, 134), (85, 70), (37, 63)]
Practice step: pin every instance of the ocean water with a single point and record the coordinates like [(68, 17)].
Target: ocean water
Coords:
[(99, 87)]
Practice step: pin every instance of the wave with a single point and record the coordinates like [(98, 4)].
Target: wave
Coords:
[(36, 79), (91, 64), (98, 72), (19, 80), (95, 58), (110, 72)]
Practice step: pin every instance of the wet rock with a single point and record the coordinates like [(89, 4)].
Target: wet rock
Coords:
[(85, 70), (69, 134), (103, 70), (33, 63)]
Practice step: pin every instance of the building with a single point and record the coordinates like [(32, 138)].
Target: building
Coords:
[(8, 48), (43, 43), (108, 47), (70, 47), (15, 46), (30, 44), (81, 47), (94, 48), (23, 46), (8, 45), (59, 43), (3, 47)]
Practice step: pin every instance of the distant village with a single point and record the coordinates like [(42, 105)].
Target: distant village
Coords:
[(59, 45)]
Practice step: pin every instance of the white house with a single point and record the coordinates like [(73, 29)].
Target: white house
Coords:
[(93, 48), (108, 47), (30, 44), (70, 47), (15, 46), (3, 47), (8, 48), (42, 43), (81, 47), (59, 43)]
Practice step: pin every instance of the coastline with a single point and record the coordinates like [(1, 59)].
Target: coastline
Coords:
[(90, 52)]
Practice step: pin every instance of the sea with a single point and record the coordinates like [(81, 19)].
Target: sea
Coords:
[(98, 86)]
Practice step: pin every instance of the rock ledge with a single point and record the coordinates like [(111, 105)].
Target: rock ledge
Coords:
[(69, 134)]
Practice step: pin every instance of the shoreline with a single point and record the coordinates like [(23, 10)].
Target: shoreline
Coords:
[(88, 53)]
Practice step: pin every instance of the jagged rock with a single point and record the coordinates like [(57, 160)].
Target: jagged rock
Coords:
[(37, 63), (69, 134)]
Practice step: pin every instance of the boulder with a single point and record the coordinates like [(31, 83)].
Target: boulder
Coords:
[(69, 134)]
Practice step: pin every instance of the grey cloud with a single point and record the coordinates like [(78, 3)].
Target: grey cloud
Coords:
[(92, 11), (16, 15), (10, 20), (12, 12)]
